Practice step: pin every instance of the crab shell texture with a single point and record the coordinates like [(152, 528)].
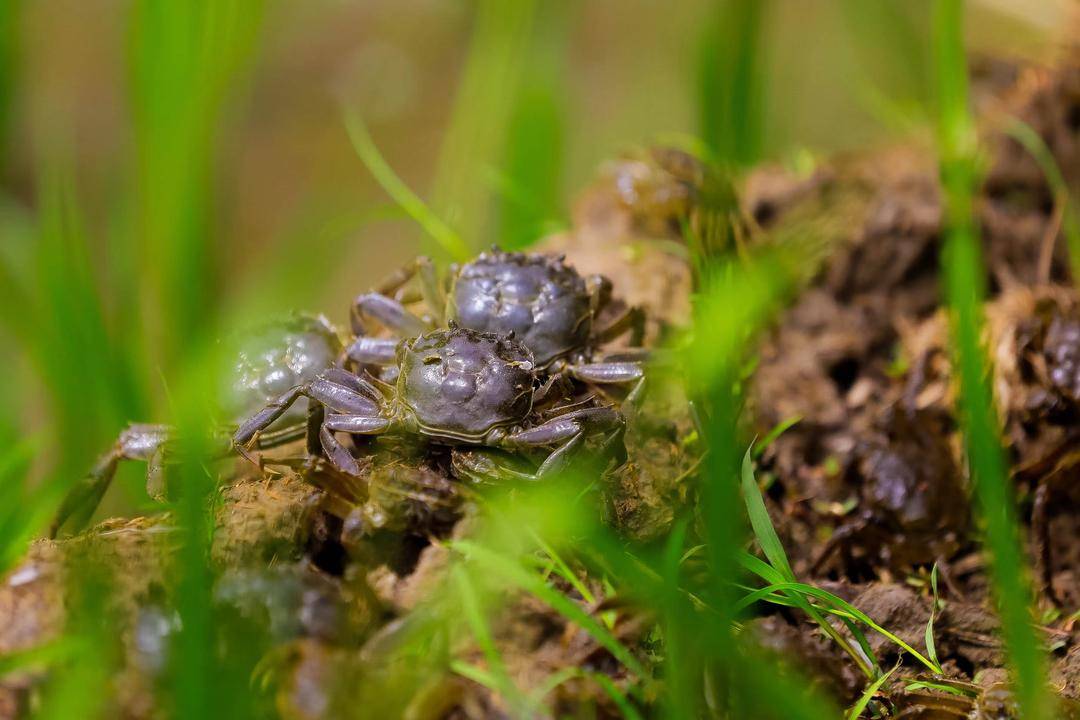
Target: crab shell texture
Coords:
[(544, 301), (277, 356), (459, 384)]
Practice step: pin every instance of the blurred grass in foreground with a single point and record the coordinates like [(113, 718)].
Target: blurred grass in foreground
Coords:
[(964, 279)]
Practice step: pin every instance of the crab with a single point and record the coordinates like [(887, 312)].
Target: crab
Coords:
[(548, 306), (914, 506), (454, 387), (271, 359)]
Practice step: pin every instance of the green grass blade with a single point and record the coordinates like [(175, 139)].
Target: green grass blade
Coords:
[(535, 134), (474, 616), (447, 240), (868, 694), (931, 646), (777, 430), (780, 569), (1070, 218), (731, 86), (847, 607), (476, 137), (513, 573), (625, 707), (762, 525), (964, 285), (186, 65)]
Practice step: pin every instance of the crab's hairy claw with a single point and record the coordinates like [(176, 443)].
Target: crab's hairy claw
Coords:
[(564, 427), (388, 312), (372, 351), (338, 454), (558, 460)]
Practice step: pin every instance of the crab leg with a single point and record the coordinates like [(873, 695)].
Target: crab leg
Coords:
[(148, 443), (357, 424), (336, 396), (138, 442), (387, 311), (338, 455), (631, 320), (569, 430), (607, 372), (372, 351)]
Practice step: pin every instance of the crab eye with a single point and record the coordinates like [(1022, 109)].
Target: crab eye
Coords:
[(432, 360)]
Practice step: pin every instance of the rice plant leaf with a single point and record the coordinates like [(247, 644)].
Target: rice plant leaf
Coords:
[(965, 281), (839, 602), (1070, 218), (477, 674), (477, 134), (931, 647), (443, 235), (779, 429), (942, 687), (474, 616), (512, 572), (764, 531), (868, 695), (625, 706)]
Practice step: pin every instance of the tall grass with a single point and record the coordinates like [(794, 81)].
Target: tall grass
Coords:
[(475, 139), (964, 277), (185, 61), (529, 181), (731, 88)]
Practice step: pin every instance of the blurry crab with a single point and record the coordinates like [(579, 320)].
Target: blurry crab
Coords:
[(1034, 337), (913, 503), (454, 387), (269, 360), (548, 306), (1037, 334)]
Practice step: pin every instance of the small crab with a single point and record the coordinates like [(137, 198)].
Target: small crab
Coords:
[(271, 359), (914, 505), (453, 387), (548, 306)]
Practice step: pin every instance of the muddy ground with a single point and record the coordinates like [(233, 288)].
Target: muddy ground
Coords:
[(868, 488)]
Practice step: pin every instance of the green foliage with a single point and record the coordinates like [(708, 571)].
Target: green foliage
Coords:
[(186, 60), (447, 240), (868, 694), (533, 158), (730, 82), (965, 287), (1064, 201), (476, 137)]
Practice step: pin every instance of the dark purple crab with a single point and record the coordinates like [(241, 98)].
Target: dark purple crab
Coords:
[(548, 306), (269, 360), (454, 387)]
